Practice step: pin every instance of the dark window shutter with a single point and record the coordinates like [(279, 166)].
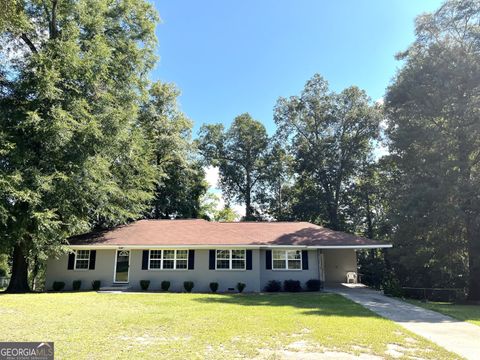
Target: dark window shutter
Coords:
[(71, 261), (268, 259), (211, 262), (93, 258), (145, 260), (304, 259), (249, 259), (191, 259)]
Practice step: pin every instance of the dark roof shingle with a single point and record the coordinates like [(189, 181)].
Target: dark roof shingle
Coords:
[(198, 232)]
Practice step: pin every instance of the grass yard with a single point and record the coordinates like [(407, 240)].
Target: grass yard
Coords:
[(469, 313), (88, 325)]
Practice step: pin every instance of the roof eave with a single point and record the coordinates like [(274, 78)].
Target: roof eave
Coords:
[(219, 246)]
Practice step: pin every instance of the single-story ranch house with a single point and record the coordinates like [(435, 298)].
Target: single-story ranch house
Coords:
[(203, 252)]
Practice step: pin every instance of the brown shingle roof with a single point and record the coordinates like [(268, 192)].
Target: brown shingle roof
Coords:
[(197, 232)]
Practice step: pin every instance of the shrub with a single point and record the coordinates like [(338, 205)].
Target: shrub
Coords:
[(391, 286), (214, 286), (58, 285), (292, 286), (76, 285), (144, 284), (3, 272), (188, 285), (273, 286), (241, 287), (96, 285), (314, 285), (165, 285)]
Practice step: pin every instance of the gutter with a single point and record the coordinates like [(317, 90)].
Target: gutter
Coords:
[(221, 246)]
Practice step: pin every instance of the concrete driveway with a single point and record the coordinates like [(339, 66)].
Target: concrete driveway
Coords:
[(454, 335)]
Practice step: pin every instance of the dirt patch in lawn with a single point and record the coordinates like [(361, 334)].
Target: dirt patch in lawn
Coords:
[(303, 350), (312, 355)]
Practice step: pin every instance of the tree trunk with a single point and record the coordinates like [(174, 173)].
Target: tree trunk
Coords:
[(369, 216), (19, 279), (248, 199), (473, 237)]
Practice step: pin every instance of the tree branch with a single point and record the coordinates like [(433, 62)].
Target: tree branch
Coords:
[(27, 41), (53, 20)]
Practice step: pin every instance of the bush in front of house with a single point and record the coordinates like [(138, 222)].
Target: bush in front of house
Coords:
[(76, 285), (391, 286), (96, 285), (292, 286), (165, 285), (273, 286), (314, 285), (58, 285), (188, 285), (214, 286), (144, 284), (241, 287)]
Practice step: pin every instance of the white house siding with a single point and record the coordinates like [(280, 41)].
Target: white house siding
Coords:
[(57, 270), (337, 263), (282, 275), (201, 275)]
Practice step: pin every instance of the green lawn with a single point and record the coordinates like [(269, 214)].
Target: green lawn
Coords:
[(470, 313), (196, 326)]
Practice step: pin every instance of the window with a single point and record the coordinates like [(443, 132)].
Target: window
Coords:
[(82, 259), (230, 259), (168, 259), (287, 259)]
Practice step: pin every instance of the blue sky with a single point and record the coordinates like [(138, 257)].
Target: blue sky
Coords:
[(229, 57)]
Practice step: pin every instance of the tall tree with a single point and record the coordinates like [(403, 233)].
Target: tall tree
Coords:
[(180, 177), (434, 108), (276, 194), (329, 135), (240, 154), (71, 155)]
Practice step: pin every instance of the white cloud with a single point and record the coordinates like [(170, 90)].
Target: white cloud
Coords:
[(212, 176)]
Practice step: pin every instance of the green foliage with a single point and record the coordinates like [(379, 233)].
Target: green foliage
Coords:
[(313, 285), (330, 137), (371, 266), (209, 209), (241, 286), (273, 286), (227, 214), (58, 285), (240, 154), (391, 285), (165, 285), (292, 286), (71, 154), (188, 286), (432, 109), (144, 284), (96, 284), (3, 264), (213, 286), (180, 178), (76, 285)]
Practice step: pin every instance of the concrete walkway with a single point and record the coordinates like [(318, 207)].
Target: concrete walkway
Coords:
[(454, 335)]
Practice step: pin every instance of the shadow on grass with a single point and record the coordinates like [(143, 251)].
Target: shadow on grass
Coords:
[(323, 304)]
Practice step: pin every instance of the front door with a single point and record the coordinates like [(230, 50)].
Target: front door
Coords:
[(122, 264)]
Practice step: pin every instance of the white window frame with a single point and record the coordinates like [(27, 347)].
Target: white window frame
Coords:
[(162, 259), (230, 260), (286, 268), (75, 262)]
